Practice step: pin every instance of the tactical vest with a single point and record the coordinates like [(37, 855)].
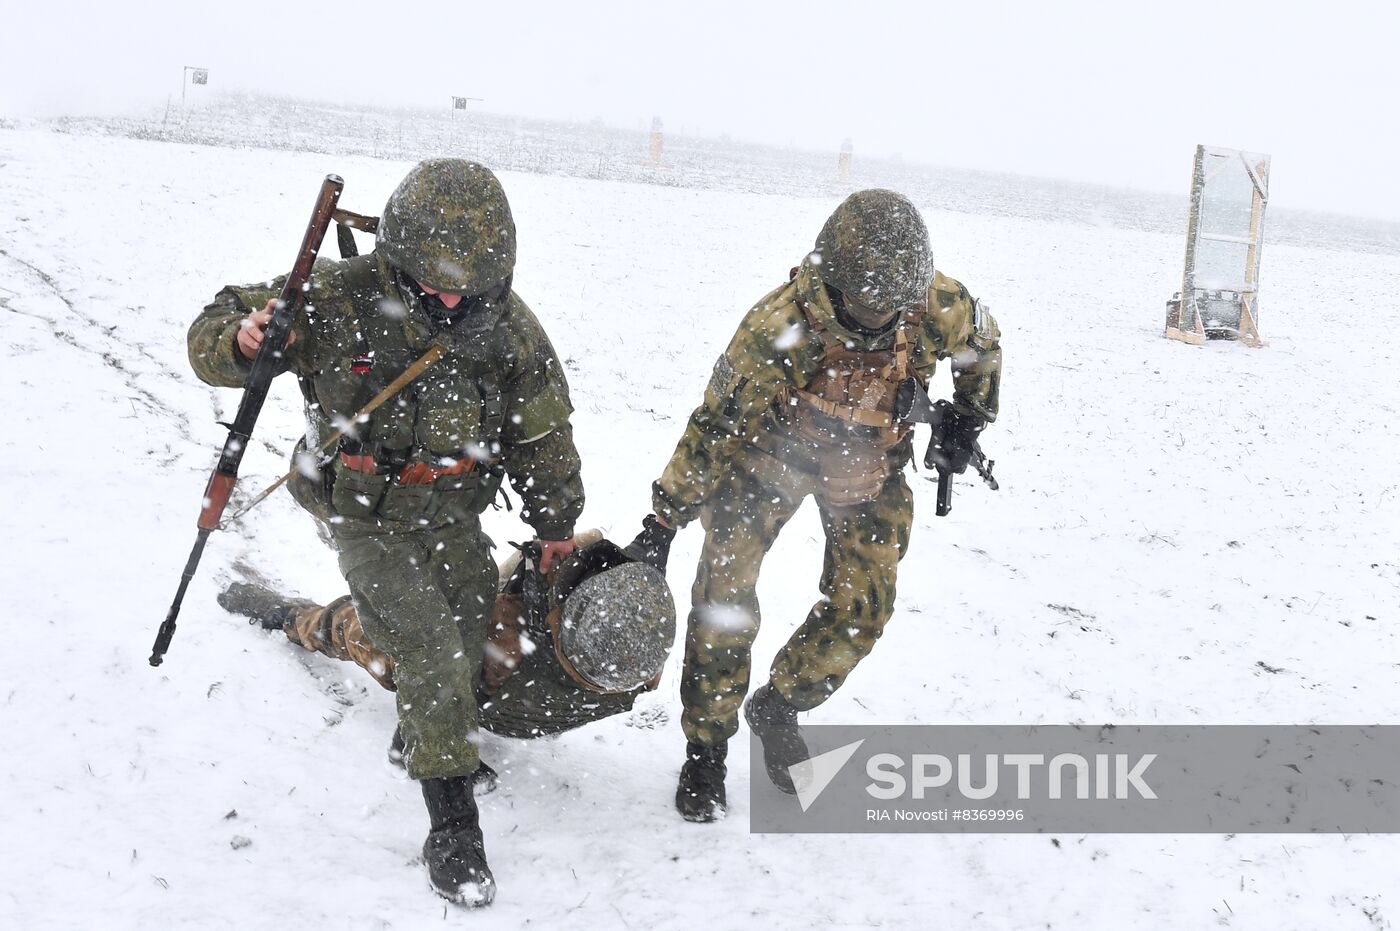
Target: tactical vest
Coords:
[(425, 457), (846, 413)]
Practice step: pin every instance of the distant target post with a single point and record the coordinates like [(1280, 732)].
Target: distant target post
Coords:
[(192, 75), (460, 103), (657, 140)]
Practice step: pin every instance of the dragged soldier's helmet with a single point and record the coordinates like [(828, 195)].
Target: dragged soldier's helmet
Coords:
[(448, 226), (874, 249), (613, 619)]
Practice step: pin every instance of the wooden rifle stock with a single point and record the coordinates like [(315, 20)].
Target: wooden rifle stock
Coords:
[(265, 367)]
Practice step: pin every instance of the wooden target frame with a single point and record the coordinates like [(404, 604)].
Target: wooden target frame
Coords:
[(1219, 297)]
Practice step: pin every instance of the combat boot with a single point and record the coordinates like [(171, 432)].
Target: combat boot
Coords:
[(396, 748), (774, 721), (700, 794), (261, 605), (454, 852), (484, 781)]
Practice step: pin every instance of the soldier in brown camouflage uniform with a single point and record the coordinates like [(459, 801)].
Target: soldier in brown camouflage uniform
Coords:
[(402, 492), (802, 404)]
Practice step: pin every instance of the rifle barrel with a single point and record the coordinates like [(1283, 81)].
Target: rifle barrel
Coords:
[(167, 628)]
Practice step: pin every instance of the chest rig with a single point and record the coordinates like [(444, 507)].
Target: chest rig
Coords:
[(846, 414), (425, 456)]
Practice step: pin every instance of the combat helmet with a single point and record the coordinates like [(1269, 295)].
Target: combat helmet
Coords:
[(448, 226), (875, 249), (612, 620)]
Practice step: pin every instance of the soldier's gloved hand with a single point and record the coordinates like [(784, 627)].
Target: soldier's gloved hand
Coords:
[(653, 545), (951, 451)]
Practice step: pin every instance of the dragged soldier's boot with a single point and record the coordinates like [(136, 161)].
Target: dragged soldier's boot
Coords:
[(700, 794), (454, 852), (261, 605), (484, 781), (774, 721)]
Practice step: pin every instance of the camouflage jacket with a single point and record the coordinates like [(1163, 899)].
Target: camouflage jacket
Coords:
[(499, 395), (776, 348)]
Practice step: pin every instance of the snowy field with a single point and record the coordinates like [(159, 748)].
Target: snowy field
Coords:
[(1183, 536)]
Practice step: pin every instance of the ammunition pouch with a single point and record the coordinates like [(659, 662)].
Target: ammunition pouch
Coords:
[(356, 494), (311, 492)]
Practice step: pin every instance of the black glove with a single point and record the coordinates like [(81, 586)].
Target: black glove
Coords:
[(652, 545), (951, 449)]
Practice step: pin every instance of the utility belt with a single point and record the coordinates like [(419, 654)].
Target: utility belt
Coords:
[(366, 481), (373, 459)]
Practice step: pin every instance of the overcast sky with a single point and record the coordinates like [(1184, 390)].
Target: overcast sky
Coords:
[(1118, 93)]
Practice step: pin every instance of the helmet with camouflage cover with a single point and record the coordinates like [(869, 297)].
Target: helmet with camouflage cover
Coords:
[(448, 226), (875, 250), (613, 619)]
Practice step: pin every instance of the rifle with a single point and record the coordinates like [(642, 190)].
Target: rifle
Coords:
[(912, 405), (265, 366)]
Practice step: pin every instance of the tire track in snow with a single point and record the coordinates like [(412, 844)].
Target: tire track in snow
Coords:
[(109, 357)]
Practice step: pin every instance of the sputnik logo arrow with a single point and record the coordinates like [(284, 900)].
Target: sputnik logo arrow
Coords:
[(812, 776)]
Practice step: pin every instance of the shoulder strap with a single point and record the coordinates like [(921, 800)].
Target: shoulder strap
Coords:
[(829, 340), (361, 278), (493, 408)]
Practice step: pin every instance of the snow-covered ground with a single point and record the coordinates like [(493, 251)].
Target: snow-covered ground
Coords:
[(1172, 521)]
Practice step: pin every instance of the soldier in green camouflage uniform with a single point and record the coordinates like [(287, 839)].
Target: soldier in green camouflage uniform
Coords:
[(402, 492), (801, 404), (540, 666)]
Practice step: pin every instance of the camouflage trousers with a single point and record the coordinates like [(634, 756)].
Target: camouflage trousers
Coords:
[(522, 690), (864, 543), (424, 599)]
